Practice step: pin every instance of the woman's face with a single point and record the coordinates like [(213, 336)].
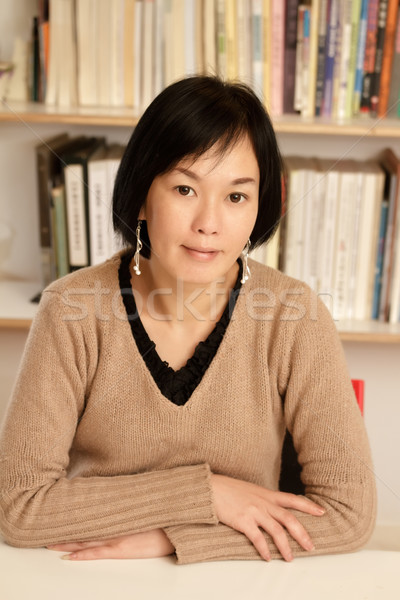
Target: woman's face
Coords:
[(201, 214)]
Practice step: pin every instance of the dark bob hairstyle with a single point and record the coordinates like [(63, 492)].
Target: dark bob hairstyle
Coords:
[(185, 120)]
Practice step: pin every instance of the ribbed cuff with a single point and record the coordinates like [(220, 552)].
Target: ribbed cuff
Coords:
[(201, 543)]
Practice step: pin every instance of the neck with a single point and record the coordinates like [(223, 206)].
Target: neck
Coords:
[(177, 301)]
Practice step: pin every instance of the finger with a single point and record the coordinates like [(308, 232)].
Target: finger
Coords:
[(294, 528), (256, 537), (96, 553), (301, 503), (72, 546), (278, 534)]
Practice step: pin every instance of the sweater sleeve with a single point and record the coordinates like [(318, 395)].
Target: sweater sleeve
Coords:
[(333, 450), (39, 503)]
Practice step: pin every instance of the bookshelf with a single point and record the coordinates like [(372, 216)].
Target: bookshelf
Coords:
[(17, 312), (14, 112)]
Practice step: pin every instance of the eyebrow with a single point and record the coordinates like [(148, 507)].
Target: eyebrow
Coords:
[(192, 175)]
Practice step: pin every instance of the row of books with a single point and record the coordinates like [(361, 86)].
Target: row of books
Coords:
[(334, 58), (75, 182), (340, 233)]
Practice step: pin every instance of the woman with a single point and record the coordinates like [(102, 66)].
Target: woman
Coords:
[(155, 391)]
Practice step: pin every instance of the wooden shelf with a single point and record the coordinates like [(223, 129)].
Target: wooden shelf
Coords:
[(125, 117), (17, 312)]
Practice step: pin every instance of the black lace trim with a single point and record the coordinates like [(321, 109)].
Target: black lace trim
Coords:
[(179, 385)]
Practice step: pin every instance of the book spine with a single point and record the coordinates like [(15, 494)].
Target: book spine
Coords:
[(99, 208), (312, 66), (369, 57), (60, 230), (380, 42), (267, 29), (277, 56), (290, 55), (344, 75), (329, 227), (379, 260), (321, 54), (394, 96), (387, 59), (298, 82), (78, 243), (362, 36), (330, 57), (355, 26), (257, 47), (221, 39)]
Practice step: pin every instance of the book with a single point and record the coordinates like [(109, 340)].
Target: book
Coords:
[(368, 238), (290, 55), (331, 43), (380, 42), (102, 167), (128, 60), (158, 46), (369, 56), (394, 302), (312, 207), (312, 69), (87, 31), (232, 66), (298, 80), (391, 166), (210, 37), (267, 53), (244, 41), (343, 74), (277, 56), (387, 58), (394, 95), (377, 287), (321, 54), (362, 36), (147, 49), (137, 55), (59, 230), (116, 51), (77, 201), (257, 36), (329, 216), (355, 8), (221, 39), (346, 216)]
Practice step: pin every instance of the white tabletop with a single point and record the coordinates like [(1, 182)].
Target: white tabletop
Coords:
[(41, 574)]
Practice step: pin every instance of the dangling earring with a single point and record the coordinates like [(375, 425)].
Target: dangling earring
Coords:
[(139, 246), (246, 270)]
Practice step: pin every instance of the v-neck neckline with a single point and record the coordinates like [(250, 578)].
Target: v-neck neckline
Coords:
[(177, 386)]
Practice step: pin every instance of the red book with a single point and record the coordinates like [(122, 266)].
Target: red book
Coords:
[(358, 386)]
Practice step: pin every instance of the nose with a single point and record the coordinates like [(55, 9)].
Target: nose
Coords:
[(207, 220)]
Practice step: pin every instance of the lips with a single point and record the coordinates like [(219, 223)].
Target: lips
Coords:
[(201, 249), (202, 254)]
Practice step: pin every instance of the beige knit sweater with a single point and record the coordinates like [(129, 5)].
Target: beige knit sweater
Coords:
[(91, 449)]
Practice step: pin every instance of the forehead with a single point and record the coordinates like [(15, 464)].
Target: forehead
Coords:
[(238, 155)]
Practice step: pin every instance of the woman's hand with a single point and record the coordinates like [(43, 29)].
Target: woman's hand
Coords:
[(247, 507), (148, 544)]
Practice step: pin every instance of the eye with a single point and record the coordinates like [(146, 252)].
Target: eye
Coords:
[(185, 190), (237, 198)]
